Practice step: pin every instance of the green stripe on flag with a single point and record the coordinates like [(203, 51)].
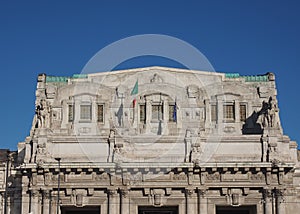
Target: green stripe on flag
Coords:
[(135, 89)]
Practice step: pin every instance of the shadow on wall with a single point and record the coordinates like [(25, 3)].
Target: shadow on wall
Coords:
[(251, 125)]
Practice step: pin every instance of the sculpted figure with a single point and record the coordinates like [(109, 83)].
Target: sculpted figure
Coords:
[(265, 113), (272, 112), (42, 113), (268, 111)]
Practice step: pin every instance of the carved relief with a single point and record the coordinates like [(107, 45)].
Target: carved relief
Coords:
[(258, 177), (193, 91), (157, 197), (41, 148), (213, 176), (179, 176), (196, 153), (102, 177), (77, 197), (136, 178), (156, 79), (234, 197), (121, 90)]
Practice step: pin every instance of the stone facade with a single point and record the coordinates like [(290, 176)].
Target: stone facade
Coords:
[(155, 140)]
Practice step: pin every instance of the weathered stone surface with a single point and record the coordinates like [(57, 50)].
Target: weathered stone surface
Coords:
[(155, 138)]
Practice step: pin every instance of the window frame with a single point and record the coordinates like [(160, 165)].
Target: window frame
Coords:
[(229, 113), (71, 113), (160, 111), (214, 112), (98, 115), (142, 113), (243, 118), (172, 107), (89, 118)]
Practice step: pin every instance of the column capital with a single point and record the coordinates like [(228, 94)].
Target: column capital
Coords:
[(46, 194), (189, 191), (34, 193), (202, 192), (124, 192), (112, 192)]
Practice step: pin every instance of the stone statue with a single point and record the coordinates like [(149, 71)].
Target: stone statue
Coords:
[(264, 112), (269, 111), (272, 111), (42, 113)]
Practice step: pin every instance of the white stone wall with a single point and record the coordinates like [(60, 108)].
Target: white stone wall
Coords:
[(195, 163)]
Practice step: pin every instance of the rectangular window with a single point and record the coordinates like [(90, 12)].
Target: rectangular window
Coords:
[(157, 112), (229, 112), (143, 113), (172, 113), (214, 113), (85, 112), (70, 113), (100, 113), (243, 112)]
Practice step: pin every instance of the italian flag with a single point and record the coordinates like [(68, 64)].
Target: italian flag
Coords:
[(135, 91)]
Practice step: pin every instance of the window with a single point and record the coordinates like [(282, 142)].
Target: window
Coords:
[(143, 113), (243, 112), (100, 113), (85, 112), (172, 113), (157, 112), (70, 113), (214, 113), (229, 112)]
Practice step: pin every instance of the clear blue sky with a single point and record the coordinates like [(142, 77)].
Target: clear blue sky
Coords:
[(59, 37)]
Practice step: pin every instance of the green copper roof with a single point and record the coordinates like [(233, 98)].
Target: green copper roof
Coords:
[(65, 79), (257, 78), (80, 76), (232, 75), (262, 78), (56, 79)]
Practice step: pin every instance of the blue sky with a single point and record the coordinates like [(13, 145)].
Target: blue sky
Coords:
[(59, 37)]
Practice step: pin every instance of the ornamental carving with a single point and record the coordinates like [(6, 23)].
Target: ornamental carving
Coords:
[(156, 79), (179, 176), (157, 197), (124, 193), (213, 176), (257, 177), (102, 177)]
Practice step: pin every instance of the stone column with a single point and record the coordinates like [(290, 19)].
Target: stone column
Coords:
[(124, 201), (46, 201), (34, 201), (268, 201), (148, 115), (53, 202), (280, 206), (1, 201), (9, 203), (207, 113), (190, 201), (237, 111), (220, 112), (25, 202), (202, 206), (112, 201)]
